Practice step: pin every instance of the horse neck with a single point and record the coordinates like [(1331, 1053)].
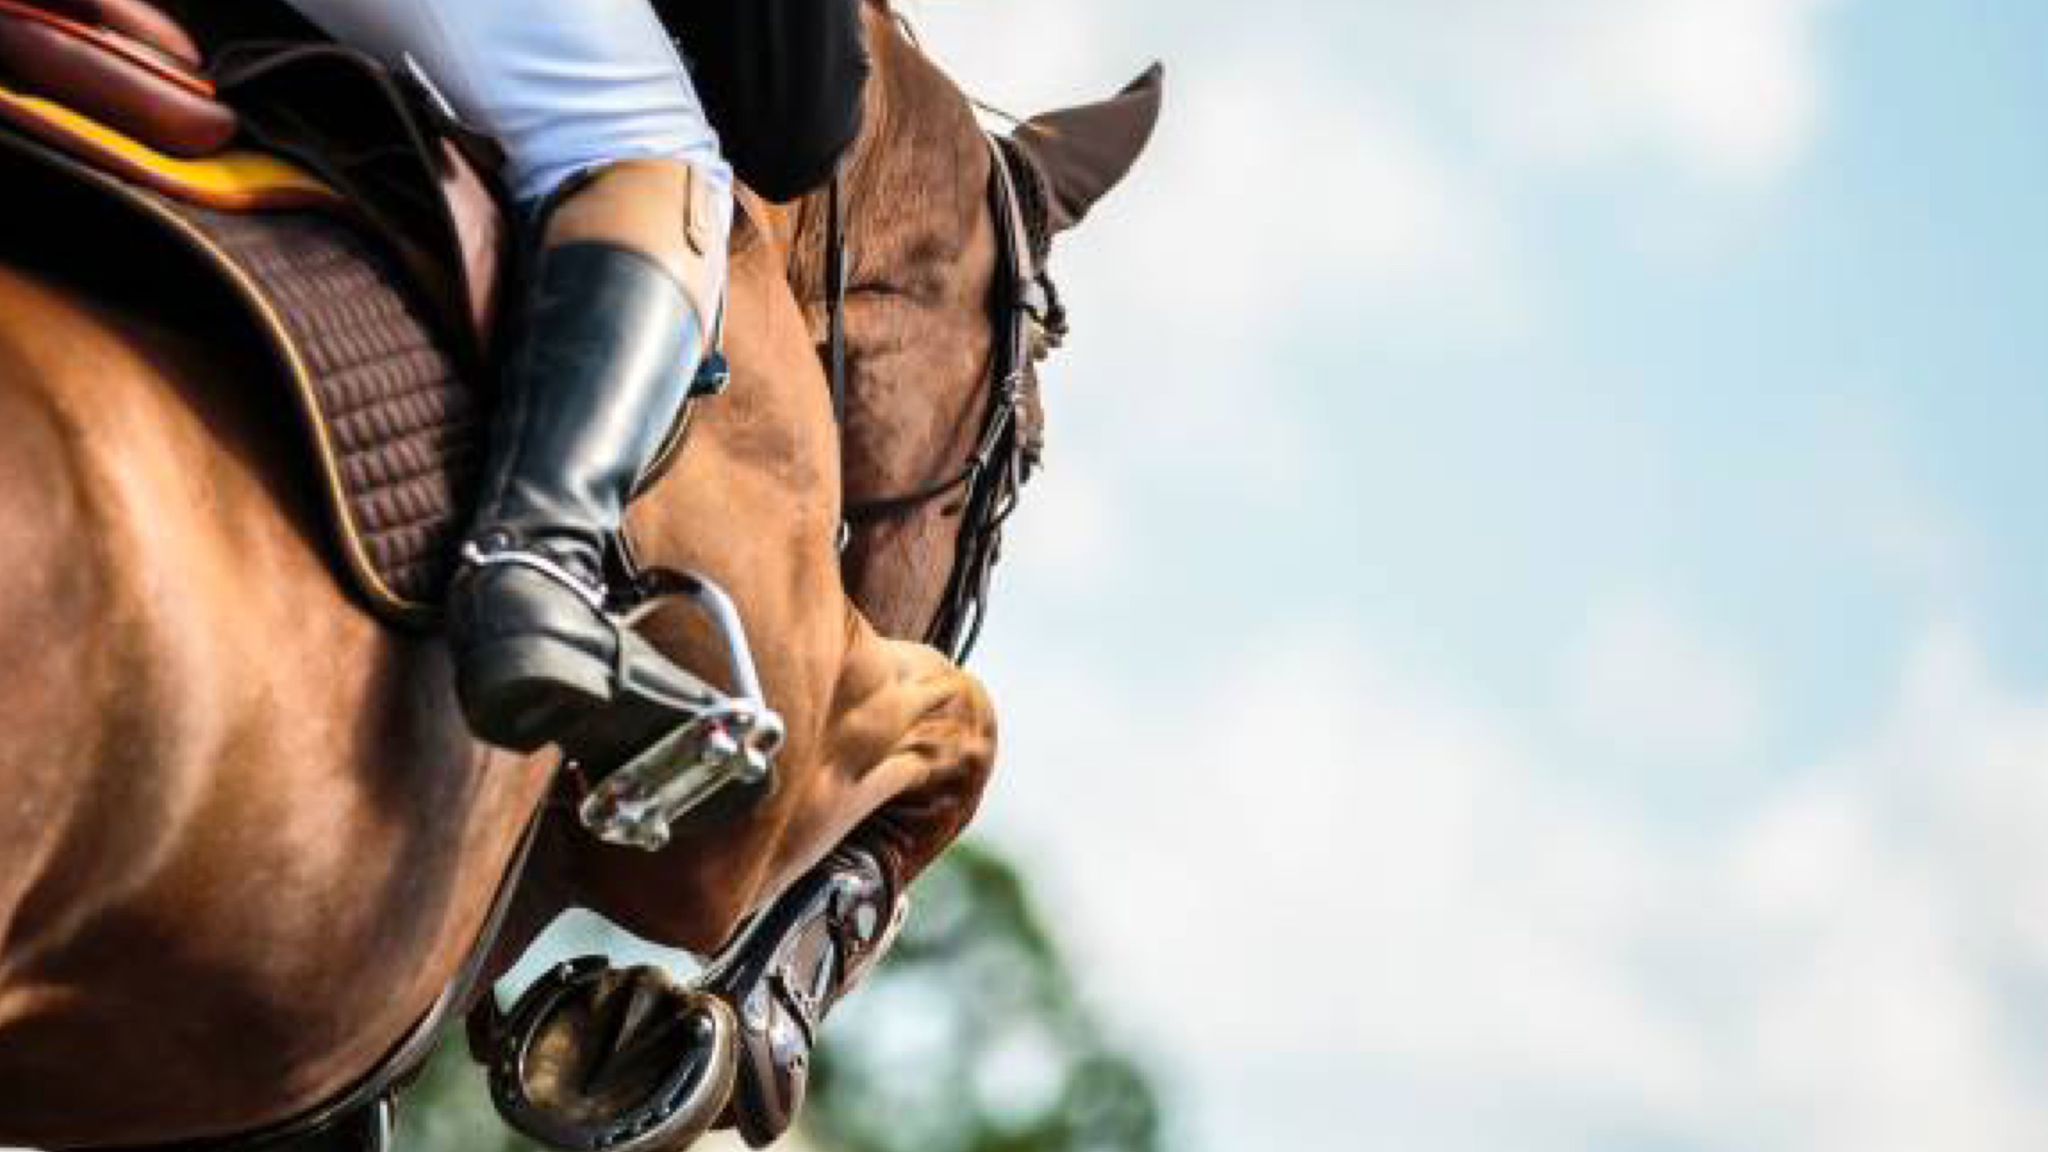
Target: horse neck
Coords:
[(921, 251)]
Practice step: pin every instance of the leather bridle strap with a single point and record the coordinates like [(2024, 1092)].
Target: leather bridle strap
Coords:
[(996, 472), (993, 475), (836, 273)]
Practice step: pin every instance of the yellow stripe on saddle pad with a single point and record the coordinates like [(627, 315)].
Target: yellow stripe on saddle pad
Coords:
[(395, 425), (238, 180)]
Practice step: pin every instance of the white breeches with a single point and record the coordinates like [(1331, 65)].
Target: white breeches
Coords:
[(565, 86)]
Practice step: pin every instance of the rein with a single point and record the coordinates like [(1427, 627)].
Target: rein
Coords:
[(1024, 302)]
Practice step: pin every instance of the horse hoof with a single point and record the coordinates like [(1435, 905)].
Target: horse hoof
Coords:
[(598, 1059)]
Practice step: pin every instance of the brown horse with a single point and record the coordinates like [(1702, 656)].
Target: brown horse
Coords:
[(245, 842)]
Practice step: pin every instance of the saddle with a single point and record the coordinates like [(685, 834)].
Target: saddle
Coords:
[(358, 230)]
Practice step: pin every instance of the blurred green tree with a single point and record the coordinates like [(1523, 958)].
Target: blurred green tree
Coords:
[(970, 1038)]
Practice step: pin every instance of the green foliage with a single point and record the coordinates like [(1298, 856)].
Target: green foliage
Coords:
[(449, 1110), (970, 1038)]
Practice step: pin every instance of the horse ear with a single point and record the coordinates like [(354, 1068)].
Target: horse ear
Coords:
[(1084, 152)]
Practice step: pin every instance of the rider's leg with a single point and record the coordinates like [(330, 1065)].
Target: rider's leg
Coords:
[(612, 157), (617, 317)]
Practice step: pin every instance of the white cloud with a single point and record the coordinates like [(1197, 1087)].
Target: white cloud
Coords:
[(1872, 485), (1302, 873), (1723, 88), (1727, 88), (1024, 57), (1072, 533), (1280, 185), (1277, 178), (1886, 904), (1322, 866), (1308, 865), (1646, 686), (1325, 168)]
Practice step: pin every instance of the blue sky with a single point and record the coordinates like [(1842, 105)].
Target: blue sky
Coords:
[(1529, 636)]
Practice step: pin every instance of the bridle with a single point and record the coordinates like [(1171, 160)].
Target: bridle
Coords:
[(1029, 321)]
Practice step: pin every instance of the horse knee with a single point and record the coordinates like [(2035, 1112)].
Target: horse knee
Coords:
[(978, 731), (958, 741)]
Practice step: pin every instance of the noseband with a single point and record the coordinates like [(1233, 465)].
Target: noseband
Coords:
[(1029, 320)]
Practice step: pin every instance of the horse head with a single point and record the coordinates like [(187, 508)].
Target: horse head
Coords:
[(921, 345)]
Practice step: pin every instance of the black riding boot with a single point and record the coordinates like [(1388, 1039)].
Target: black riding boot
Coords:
[(604, 361)]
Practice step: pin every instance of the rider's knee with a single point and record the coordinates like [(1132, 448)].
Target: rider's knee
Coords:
[(677, 212), (662, 200)]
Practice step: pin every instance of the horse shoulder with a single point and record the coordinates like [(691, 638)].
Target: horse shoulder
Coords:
[(207, 744), (77, 687)]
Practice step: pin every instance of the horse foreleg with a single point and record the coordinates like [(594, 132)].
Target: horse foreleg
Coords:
[(916, 749), (935, 770)]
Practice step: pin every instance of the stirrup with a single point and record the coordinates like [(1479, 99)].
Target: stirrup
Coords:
[(730, 743)]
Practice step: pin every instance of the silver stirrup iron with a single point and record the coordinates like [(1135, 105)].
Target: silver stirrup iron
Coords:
[(733, 742)]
